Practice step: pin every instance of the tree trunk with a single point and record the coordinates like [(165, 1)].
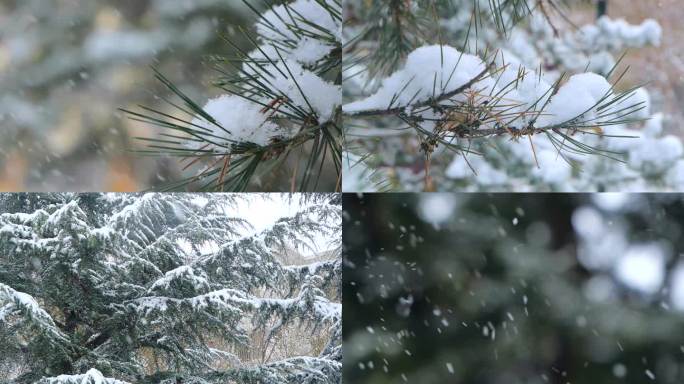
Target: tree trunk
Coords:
[(601, 8)]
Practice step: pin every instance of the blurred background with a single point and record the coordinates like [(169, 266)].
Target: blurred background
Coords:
[(484, 289), (66, 66), (660, 68)]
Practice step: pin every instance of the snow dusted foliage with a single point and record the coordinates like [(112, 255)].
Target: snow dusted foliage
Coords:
[(483, 98), (93, 376), (284, 92), (149, 288), (295, 38)]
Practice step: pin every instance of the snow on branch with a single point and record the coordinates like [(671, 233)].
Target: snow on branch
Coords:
[(93, 376), (444, 88), (181, 277), (303, 231), (544, 105), (448, 98), (24, 305), (301, 370), (430, 72), (587, 48), (280, 94)]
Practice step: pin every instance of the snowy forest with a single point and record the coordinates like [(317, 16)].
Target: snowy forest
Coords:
[(519, 289), (520, 95), (130, 95), (170, 288)]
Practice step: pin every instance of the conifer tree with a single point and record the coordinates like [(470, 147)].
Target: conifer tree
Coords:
[(166, 288), (488, 95), (281, 101)]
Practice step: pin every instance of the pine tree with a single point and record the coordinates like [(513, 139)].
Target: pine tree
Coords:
[(282, 100), (165, 288), (487, 95)]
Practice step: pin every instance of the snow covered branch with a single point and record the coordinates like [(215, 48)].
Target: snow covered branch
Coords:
[(93, 376), (281, 96), (521, 103), (440, 85)]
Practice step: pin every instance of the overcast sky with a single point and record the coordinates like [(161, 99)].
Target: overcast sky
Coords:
[(262, 210)]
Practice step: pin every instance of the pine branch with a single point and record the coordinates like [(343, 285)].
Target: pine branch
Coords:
[(285, 103)]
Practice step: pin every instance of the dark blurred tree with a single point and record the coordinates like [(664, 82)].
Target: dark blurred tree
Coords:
[(490, 289)]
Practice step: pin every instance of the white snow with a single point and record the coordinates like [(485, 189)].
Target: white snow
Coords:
[(654, 126), (160, 310), (306, 90), (553, 169), (29, 304), (475, 166), (437, 208), (287, 78), (283, 23), (611, 201), (429, 71), (581, 100), (183, 273), (656, 153), (522, 91), (240, 121), (310, 50), (327, 310), (224, 299), (642, 98), (677, 288), (588, 222), (579, 96), (602, 244), (403, 306), (93, 376), (650, 374), (619, 370), (589, 48), (642, 267), (617, 35), (287, 45), (435, 70)]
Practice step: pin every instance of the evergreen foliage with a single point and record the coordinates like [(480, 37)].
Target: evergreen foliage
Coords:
[(282, 100), (513, 288), (487, 95), (110, 288)]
